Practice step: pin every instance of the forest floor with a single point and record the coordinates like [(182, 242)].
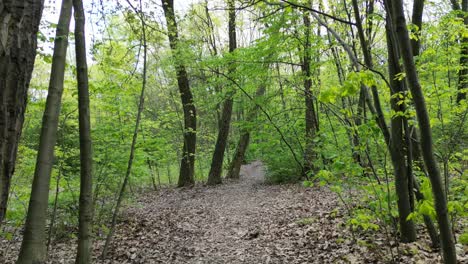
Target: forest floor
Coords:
[(244, 221)]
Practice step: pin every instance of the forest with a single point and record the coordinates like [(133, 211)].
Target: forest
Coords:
[(233, 131)]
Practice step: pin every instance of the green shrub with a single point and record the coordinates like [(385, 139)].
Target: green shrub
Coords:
[(282, 169)]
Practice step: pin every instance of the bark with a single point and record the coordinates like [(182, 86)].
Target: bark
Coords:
[(463, 73), (364, 90), (187, 164), (234, 168), (447, 240), (369, 64), (141, 104), (33, 247), (411, 141), (416, 19), (311, 125), (214, 176), (395, 140), (19, 24), (86, 181), (397, 153)]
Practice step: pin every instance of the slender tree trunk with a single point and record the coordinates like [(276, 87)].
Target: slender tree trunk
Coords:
[(86, 182), (134, 139), (398, 16), (234, 168), (410, 136), (395, 140), (397, 153), (33, 247), (352, 131), (19, 26), (369, 64), (214, 177), (416, 19), (310, 155), (187, 164), (463, 73)]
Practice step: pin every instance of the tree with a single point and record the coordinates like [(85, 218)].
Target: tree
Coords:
[(86, 183), (19, 27), (244, 140), (407, 228), (395, 8), (33, 246), (463, 72), (187, 164), (394, 139), (311, 120), (214, 177)]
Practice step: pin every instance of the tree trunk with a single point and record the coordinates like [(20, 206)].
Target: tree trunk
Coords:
[(397, 153), (234, 168), (379, 116), (86, 183), (394, 141), (33, 247), (187, 164), (310, 155), (214, 177), (412, 138), (19, 26), (463, 73), (448, 245), (416, 19)]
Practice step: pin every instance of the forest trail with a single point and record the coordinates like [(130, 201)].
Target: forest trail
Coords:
[(242, 221), (245, 221)]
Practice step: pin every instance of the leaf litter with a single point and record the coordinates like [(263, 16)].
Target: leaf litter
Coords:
[(243, 221)]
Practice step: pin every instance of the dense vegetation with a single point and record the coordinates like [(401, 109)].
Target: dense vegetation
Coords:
[(353, 95)]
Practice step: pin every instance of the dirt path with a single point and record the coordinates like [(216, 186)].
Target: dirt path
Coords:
[(244, 221)]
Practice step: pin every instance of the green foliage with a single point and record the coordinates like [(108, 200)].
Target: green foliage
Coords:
[(282, 169), (276, 120), (464, 238), (363, 220)]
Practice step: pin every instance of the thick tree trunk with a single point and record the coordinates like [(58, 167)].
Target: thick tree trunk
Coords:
[(310, 155), (33, 247), (86, 183), (236, 163), (448, 245), (187, 164), (214, 177), (19, 24)]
